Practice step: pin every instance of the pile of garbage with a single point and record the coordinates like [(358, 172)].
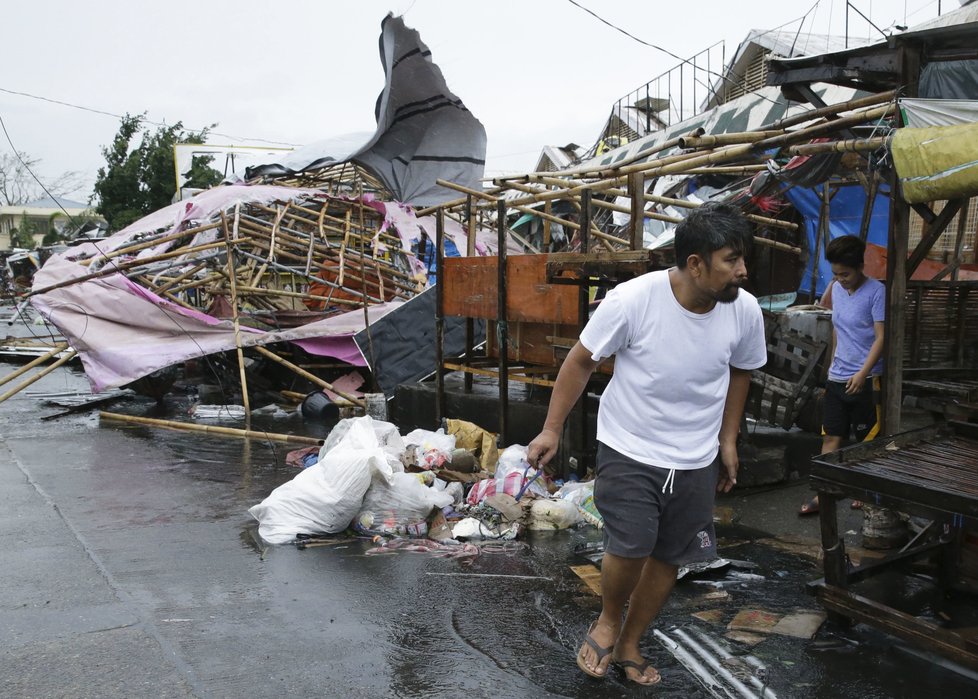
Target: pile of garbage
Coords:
[(446, 486)]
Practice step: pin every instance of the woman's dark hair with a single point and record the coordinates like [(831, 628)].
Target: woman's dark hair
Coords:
[(711, 227), (846, 250)]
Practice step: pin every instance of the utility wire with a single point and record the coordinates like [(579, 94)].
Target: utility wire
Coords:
[(148, 121)]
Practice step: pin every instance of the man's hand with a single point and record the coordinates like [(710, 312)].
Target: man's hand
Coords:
[(729, 463), (542, 448)]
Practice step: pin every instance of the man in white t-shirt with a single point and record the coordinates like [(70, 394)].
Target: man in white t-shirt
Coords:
[(684, 341)]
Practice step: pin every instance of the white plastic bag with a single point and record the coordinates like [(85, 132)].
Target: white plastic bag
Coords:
[(392, 507), (386, 435), (434, 448), (324, 498)]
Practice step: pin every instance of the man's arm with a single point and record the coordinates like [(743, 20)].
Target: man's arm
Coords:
[(571, 381), (856, 381), (733, 411)]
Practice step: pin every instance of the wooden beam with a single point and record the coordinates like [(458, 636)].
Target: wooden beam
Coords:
[(934, 231)]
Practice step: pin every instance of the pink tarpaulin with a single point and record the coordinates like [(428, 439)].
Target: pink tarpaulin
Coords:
[(123, 332)]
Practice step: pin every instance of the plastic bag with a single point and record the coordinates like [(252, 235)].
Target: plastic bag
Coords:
[(582, 495), (397, 506), (514, 476), (324, 498), (434, 448), (553, 514), (387, 437)]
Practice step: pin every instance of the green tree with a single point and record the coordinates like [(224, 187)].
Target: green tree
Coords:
[(139, 180)]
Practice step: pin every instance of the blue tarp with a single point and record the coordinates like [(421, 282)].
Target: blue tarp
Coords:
[(845, 218)]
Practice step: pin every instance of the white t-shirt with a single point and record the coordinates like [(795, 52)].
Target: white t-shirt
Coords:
[(664, 404)]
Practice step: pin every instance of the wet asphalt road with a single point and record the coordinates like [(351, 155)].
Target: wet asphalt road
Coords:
[(130, 568)]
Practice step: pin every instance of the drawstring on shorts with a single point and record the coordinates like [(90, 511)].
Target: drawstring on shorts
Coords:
[(670, 479)]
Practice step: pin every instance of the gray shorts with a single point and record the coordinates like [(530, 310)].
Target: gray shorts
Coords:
[(641, 520)]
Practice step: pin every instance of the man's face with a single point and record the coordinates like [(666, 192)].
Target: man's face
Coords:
[(847, 277), (724, 274)]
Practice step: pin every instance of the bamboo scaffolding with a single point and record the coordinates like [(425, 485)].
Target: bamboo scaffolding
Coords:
[(210, 429), (126, 266)]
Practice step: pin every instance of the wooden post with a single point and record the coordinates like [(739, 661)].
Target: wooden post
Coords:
[(440, 317), (470, 208), (896, 308), (636, 188), (502, 326), (232, 284)]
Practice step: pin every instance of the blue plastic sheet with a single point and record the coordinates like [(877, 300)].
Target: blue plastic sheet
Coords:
[(845, 218)]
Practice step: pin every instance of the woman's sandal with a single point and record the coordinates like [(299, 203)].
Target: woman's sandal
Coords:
[(639, 667), (601, 652)]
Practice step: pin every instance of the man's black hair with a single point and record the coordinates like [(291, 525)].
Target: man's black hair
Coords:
[(847, 250), (711, 227)]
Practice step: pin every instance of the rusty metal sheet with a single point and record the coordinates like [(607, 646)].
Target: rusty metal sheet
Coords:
[(471, 285)]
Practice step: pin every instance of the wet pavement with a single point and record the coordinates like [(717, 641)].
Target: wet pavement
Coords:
[(132, 569)]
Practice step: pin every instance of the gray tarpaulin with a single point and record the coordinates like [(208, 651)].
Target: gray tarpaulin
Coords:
[(424, 132), (957, 80), (400, 347)]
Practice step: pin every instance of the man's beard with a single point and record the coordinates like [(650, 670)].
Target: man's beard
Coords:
[(727, 294)]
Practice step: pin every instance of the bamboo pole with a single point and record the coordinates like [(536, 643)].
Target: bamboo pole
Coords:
[(232, 281), (210, 429), (176, 280), (39, 375), (726, 139), (833, 109), (33, 363), (851, 145), (150, 242), (306, 375)]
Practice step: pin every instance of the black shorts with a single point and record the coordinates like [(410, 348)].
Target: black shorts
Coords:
[(644, 515), (857, 415)]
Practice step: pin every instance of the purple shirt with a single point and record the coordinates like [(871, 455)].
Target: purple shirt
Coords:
[(853, 316)]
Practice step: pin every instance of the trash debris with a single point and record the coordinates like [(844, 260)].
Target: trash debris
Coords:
[(705, 660), (217, 412)]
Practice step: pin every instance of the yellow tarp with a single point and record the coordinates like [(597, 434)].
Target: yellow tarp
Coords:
[(936, 163)]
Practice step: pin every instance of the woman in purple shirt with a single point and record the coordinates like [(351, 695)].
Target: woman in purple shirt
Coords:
[(858, 303)]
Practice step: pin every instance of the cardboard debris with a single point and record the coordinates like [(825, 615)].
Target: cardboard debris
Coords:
[(591, 576), (799, 624), (755, 620), (712, 616), (745, 637)]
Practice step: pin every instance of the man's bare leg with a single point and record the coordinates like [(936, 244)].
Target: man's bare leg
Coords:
[(619, 578), (653, 588)]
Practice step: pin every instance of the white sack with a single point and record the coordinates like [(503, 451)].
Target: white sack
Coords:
[(324, 498)]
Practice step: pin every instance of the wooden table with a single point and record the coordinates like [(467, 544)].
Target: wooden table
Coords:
[(931, 472)]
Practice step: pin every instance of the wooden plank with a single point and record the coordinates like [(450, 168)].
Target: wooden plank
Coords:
[(917, 631), (591, 576)]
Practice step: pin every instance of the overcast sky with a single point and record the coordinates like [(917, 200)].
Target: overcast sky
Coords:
[(535, 72)]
